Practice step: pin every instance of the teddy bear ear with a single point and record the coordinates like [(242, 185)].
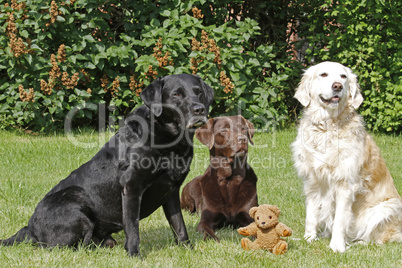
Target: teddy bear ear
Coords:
[(275, 209), (252, 211)]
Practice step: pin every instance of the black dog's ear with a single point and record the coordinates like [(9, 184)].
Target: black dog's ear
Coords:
[(209, 94), (205, 134), (152, 96)]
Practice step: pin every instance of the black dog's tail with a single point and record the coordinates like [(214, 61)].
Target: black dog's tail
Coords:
[(22, 235)]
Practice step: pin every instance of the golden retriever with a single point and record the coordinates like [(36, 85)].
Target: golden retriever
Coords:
[(350, 194)]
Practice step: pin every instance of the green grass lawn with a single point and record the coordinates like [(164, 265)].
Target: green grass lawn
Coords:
[(31, 165)]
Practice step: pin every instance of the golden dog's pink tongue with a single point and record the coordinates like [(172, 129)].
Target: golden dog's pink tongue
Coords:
[(334, 99)]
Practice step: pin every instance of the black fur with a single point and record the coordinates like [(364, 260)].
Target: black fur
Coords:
[(117, 187)]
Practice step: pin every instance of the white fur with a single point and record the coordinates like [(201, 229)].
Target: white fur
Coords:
[(350, 194)]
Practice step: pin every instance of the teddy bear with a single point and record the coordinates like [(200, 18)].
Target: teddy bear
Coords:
[(267, 229)]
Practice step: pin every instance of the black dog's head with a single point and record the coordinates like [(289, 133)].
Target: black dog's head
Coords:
[(179, 101)]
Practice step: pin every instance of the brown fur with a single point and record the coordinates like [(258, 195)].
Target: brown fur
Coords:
[(226, 191), (267, 229)]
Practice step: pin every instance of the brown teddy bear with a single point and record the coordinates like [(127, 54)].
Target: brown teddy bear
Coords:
[(268, 230)]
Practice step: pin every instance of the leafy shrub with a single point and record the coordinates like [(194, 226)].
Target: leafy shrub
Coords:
[(364, 35), (79, 53)]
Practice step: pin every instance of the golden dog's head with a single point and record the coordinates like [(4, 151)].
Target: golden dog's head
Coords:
[(329, 85)]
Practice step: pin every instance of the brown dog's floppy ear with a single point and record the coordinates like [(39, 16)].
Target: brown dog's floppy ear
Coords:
[(152, 96), (356, 97), (252, 211), (205, 134), (303, 90), (250, 130)]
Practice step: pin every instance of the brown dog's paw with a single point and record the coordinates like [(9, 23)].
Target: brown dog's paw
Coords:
[(243, 231)]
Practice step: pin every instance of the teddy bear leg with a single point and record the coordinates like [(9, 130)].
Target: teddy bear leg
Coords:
[(245, 243), (280, 248)]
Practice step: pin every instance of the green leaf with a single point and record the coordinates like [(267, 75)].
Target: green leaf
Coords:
[(89, 65), (165, 13)]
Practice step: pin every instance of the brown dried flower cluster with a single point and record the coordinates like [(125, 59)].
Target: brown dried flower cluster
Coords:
[(45, 87), (194, 63), (16, 43), (54, 12), (135, 86), (15, 5), (115, 86), (225, 81), (216, 50), (55, 71), (151, 73), (55, 75), (158, 54), (26, 96), (206, 45), (104, 82), (197, 13), (61, 53), (195, 45), (70, 83)]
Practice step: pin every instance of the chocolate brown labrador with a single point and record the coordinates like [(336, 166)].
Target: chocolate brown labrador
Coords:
[(227, 190)]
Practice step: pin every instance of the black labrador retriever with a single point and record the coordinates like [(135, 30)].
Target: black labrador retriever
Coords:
[(140, 169)]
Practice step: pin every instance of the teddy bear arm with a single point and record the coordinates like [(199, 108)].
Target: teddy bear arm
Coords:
[(283, 230), (249, 230)]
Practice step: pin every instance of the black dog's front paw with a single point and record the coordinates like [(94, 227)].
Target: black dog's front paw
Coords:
[(186, 244), (132, 250)]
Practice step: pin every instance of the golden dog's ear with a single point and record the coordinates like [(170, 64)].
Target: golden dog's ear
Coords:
[(303, 90), (205, 134), (355, 97)]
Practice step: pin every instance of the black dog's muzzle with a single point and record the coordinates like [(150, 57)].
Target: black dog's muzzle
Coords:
[(198, 116)]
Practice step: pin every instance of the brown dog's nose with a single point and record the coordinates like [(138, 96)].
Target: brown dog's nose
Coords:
[(241, 139), (198, 109), (337, 86)]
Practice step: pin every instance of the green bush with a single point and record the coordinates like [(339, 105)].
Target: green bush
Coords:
[(366, 36), (79, 53)]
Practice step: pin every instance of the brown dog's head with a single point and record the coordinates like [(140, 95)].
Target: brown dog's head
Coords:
[(227, 136)]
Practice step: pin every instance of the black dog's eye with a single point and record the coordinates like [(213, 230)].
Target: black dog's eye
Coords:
[(343, 76), (324, 75), (197, 91), (177, 94)]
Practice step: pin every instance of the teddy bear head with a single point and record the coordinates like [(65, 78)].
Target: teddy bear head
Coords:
[(265, 216)]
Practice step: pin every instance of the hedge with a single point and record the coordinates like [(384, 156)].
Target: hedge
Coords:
[(81, 55)]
